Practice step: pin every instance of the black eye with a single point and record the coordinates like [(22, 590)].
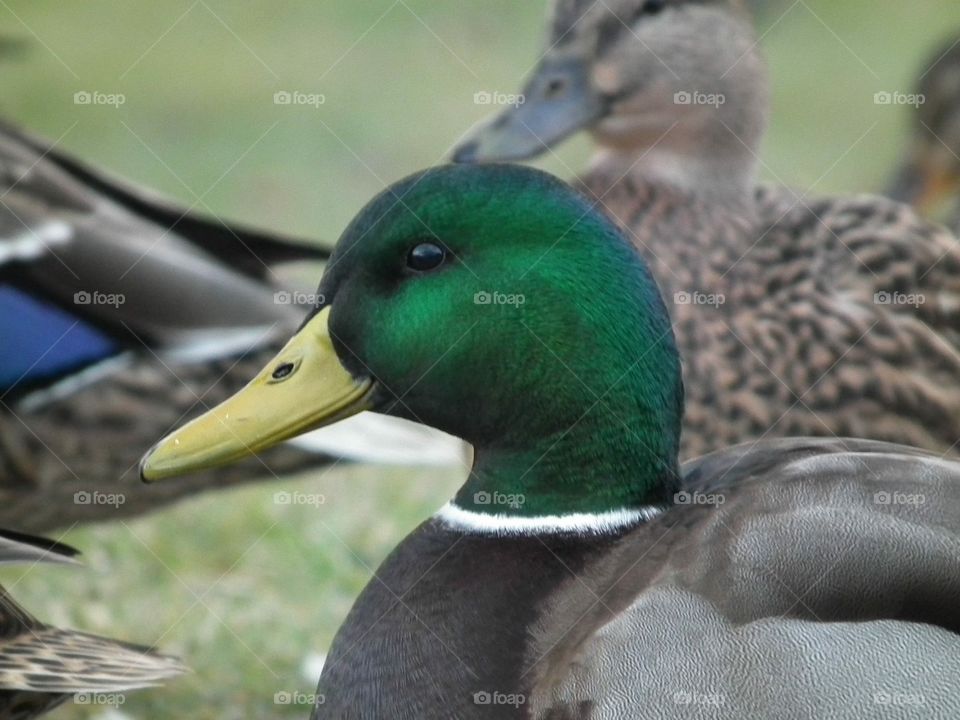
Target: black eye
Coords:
[(652, 7), (425, 256)]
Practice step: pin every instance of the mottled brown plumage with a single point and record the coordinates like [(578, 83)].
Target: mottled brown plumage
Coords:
[(199, 307), (796, 315), (68, 447), (803, 343), (43, 666), (75, 460)]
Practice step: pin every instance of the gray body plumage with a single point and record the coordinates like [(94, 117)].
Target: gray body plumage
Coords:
[(822, 583), (825, 586)]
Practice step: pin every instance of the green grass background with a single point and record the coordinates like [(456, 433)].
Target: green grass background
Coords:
[(243, 588)]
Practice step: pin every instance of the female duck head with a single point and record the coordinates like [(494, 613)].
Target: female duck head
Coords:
[(496, 304), (678, 82)]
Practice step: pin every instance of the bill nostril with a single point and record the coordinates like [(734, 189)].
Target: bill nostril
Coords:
[(555, 88), (282, 371)]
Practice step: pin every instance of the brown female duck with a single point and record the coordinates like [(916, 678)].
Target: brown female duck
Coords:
[(121, 314), (797, 315)]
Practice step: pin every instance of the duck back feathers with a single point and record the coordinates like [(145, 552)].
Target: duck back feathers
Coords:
[(810, 316)]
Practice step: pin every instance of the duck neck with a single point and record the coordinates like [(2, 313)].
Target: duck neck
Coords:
[(602, 467), (726, 180), (482, 599), (708, 146)]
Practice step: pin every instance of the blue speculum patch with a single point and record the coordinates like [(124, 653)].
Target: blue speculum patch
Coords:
[(42, 342)]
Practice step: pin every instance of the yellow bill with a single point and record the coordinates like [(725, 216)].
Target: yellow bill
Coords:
[(304, 387)]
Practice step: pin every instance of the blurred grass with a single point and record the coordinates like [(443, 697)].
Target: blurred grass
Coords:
[(243, 587), (199, 123)]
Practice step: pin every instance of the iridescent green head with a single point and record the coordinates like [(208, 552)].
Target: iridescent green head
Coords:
[(496, 304)]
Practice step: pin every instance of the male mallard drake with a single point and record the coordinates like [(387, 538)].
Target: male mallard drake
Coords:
[(579, 573), (121, 314), (930, 173), (796, 316), (42, 666)]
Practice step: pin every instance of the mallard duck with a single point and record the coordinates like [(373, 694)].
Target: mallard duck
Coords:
[(122, 313), (930, 173), (797, 315), (42, 666), (580, 572)]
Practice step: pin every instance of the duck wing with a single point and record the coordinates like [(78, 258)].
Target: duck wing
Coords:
[(68, 182), (797, 579), (20, 548), (90, 267), (123, 315)]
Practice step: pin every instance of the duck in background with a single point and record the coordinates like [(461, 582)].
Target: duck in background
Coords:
[(581, 572), (929, 176), (796, 315), (42, 666), (122, 314)]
